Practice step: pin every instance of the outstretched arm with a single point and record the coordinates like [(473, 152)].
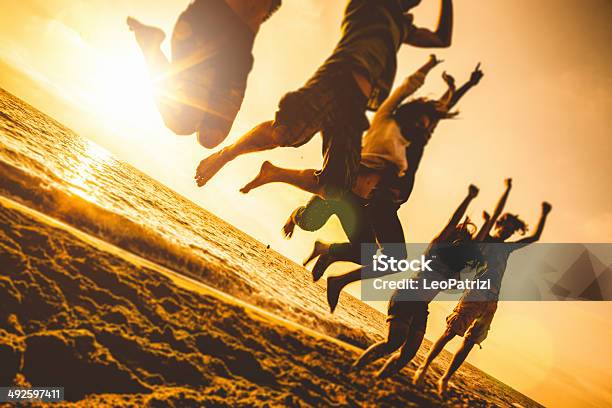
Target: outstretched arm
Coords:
[(459, 212), (442, 37), (486, 228), (407, 88), (546, 207), (475, 78)]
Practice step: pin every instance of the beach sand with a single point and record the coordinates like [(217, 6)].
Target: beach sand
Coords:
[(117, 330)]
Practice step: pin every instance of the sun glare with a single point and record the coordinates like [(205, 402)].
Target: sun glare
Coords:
[(81, 178), (124, 93)]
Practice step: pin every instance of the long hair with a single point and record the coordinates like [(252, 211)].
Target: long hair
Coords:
[(513, 222), (408, 114)]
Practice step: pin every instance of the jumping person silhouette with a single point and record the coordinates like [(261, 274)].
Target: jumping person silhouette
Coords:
[(385, 181), (357, 76), (474, 313), (450, 251), (201, 89)]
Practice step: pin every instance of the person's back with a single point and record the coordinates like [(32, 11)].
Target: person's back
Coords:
[(372, 33)]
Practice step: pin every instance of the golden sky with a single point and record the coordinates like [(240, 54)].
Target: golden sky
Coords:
[(540, 115)]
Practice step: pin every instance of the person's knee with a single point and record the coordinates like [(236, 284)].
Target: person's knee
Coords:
[(468, 343), (282, 136), (212, 130), (394, 341), (179, 127), (448, 334), (302, 219)]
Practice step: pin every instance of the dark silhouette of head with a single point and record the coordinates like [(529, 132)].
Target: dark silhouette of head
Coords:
[(465, 231), (409, 4), (508, 224), (464, 250), (418, 117)]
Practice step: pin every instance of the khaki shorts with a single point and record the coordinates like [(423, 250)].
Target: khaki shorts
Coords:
[(472, 320)]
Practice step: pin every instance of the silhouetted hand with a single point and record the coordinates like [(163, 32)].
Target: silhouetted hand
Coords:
[(508, 182), (477, 75), (546, 207), (450, 81), (434, 61), (486, 216), (473, 190)]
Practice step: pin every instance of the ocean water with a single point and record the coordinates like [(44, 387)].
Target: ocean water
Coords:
[(38, 145)]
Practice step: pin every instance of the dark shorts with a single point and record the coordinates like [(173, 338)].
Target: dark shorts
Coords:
[(331, 103), (409, 312)]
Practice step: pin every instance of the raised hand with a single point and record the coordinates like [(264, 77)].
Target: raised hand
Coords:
[(473, 190), (546, 207), (477, 75), (449, 79), (434, 61), (508, 182)]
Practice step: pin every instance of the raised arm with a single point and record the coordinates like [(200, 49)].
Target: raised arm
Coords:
[(407, 88), (475, 78), (486, 228), (546, 207), (459, 212), (442, 37)]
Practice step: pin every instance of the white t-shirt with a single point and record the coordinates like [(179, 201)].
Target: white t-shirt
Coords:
[(383, 143)]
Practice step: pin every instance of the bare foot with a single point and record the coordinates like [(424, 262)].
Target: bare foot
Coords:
[(320, 248), (442, 386), (211, 166), (264, 177), (334, 287), (148, 37), (419, 375)]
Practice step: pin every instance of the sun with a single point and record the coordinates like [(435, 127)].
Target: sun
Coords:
[(124, 93)]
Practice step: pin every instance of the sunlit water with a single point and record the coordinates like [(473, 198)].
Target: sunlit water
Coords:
[(38, 144)]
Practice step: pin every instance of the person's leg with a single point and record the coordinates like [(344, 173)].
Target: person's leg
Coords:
[(388, 227), (303, 179), (309, 217), (300, 116), (399, 360), (396, 336), (357, 226), (436, 349), (383, 225), (458, 359), (264, 136), (149, 40)]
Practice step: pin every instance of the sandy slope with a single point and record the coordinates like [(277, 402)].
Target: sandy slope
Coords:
[(116, 330)]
